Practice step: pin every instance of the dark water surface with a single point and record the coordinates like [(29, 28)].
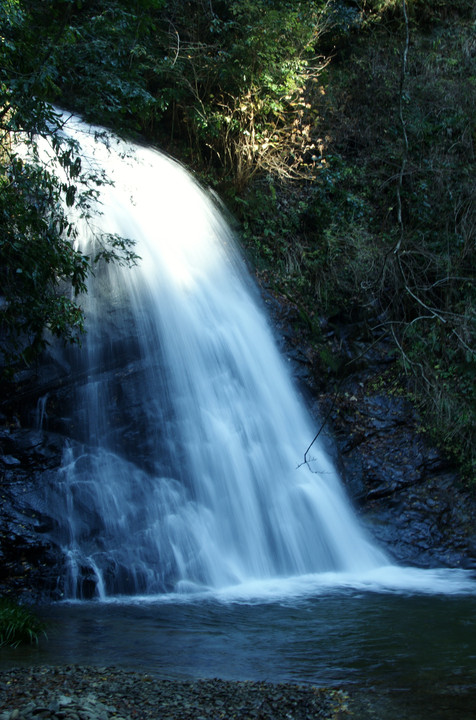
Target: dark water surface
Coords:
[(405, 656)]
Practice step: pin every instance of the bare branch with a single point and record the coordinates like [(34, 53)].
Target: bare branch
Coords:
[(463, 343), (403, 126), (178, 49)]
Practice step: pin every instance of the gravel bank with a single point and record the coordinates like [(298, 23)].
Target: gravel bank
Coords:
[(92, 693)]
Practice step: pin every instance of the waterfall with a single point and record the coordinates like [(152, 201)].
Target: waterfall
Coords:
[(184, 470)]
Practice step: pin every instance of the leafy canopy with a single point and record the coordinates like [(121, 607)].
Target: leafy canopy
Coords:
[(41, 271)]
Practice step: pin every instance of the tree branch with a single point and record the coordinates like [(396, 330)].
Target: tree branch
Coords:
[(403, 73)]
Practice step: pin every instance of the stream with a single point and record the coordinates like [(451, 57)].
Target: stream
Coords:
[(397, 654)]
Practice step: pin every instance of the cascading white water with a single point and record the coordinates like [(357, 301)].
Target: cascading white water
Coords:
[(191, 430)]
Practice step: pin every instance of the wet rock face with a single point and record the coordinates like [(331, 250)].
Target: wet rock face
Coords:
[(30, 566), (404, 489)]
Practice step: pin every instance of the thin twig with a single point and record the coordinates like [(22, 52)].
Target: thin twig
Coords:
[(473, 352), (178, 49), (403, 125)]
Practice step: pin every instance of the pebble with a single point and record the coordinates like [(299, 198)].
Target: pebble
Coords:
[(92, 693)]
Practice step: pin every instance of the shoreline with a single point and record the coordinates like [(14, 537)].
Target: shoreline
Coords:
[(85, 692), (76, 692)]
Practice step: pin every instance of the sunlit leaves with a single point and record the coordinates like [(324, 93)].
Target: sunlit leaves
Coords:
[(242, 70)]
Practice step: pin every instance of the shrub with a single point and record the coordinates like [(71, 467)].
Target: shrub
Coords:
[(18, 624)]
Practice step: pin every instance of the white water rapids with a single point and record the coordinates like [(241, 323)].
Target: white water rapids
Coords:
[(184, 477)]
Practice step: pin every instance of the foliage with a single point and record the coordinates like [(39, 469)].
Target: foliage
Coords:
[(18, 624), (424, 13), (102, 59), (407, 142), (39, 260), (227, 77), (308, 240), (384, 229), (241, 69)]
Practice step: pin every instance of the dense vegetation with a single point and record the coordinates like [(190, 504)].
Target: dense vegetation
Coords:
[(39, 262), (340, 133)]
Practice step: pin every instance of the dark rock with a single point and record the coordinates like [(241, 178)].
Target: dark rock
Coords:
[(83, 693), (9, 460), (406, 491), (30, 565)]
